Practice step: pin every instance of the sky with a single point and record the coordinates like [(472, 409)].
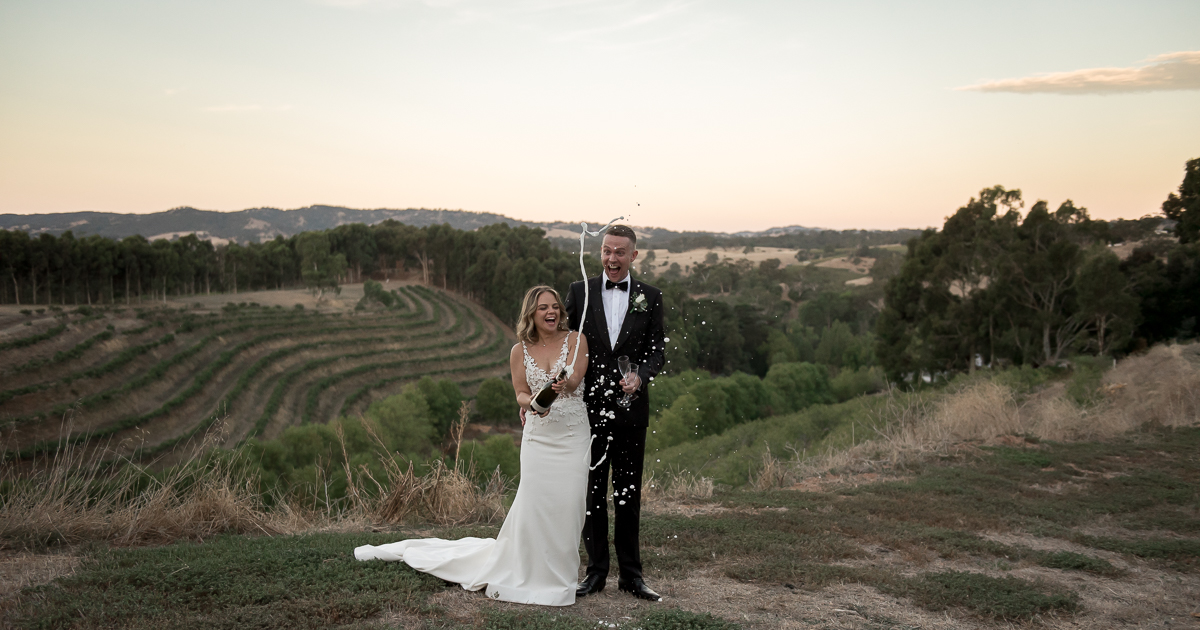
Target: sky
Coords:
[(683, 114)]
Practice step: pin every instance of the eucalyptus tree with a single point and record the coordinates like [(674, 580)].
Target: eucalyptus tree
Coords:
[(1185, 207), (320, 268)]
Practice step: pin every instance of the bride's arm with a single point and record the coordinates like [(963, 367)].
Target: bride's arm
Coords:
[(516, 365)]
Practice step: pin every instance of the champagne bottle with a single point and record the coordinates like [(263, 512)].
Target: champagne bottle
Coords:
[(544, 397)]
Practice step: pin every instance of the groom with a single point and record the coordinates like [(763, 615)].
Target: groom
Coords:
[(625, 317)]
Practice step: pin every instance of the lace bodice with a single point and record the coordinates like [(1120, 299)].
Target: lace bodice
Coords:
[(536, 377)]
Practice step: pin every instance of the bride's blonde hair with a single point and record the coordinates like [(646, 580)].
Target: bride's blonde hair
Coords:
[(526, 330)]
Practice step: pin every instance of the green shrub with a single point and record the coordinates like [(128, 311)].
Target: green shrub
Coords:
[(674, 426), (498, 451), (799, 385), (444, 399), (1084, 386), (373, 293), (405, 421), (496, 402), (851, 383), (1023, 379)]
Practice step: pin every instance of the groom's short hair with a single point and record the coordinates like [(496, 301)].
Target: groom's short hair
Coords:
[(624, 231)]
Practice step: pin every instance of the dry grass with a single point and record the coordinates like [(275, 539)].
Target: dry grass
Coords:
[(675, 487), (774, 473), (444, 495), (77, 495), (1160, 388)]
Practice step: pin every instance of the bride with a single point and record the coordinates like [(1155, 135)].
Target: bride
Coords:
[(535, 557)]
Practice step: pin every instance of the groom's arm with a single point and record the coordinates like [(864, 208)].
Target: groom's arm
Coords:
[(573, 307)]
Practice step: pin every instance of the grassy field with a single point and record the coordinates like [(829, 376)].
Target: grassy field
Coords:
[(152, 377), (1091, 534)]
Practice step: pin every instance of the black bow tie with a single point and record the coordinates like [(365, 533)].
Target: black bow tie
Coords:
[(609, 284)]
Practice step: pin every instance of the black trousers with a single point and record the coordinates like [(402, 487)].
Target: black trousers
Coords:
[(625, 452)]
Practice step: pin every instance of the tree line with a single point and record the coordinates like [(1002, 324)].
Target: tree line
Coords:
[(493, 264), (993, 287)]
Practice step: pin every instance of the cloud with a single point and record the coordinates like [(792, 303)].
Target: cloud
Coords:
[(635, 21), (1172, 71)]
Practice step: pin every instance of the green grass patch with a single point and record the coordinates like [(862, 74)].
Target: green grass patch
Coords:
[(1069, 560), (229, 582), (676, 619), (1005, 598), (534, 620)]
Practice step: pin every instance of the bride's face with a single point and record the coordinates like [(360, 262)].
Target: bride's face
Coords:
[(548, 314)]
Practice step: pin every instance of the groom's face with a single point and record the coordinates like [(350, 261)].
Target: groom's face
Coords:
[(617, 255)]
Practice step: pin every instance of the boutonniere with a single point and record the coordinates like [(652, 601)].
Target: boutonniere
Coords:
[(637, 303)]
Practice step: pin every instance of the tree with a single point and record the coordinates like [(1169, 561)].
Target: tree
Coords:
[(357, 242), (1185, 207), (1106, 302), (989, 284), (320, 269), (1040, 269)]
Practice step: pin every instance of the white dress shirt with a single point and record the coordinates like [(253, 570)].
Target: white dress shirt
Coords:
[(616, 304)]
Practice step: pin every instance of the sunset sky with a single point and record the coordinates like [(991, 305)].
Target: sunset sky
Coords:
[(711, 115)]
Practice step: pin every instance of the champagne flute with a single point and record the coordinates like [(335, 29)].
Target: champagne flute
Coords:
[(626, 368)]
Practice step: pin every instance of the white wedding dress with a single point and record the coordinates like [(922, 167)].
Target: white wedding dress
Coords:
[(535, 557)]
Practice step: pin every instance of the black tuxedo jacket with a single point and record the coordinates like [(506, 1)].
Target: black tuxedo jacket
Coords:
[(641, 338)]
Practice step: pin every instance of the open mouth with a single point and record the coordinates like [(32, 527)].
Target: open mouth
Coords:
[(551, 319)]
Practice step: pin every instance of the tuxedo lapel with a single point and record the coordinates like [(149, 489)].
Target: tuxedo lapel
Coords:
[(596, 309)]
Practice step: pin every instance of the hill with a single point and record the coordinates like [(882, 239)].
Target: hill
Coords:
[(941, 518), (261, 224)]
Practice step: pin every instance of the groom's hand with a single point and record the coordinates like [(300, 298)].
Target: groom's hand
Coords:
[(631, 383), (522, 416)]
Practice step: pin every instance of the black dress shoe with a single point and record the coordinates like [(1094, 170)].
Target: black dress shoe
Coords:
[(592, 583), (637, 587)]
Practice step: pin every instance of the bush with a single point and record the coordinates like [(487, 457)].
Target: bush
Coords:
[(1023, 379), (498, 451), (675, 425), (851, 383), (496, 402), (444, 399), (405, 422), (799, 385), (1084, 386), (373, 292)]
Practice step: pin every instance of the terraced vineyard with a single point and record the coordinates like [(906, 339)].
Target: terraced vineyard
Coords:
[(149, 379)]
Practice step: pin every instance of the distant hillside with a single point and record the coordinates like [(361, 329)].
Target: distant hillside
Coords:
[(253, 225), (261, 224)]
